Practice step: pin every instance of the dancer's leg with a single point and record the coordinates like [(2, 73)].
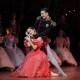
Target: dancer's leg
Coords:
[(53, 61)]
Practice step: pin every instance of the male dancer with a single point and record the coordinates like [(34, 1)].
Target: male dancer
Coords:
[(44, 26)]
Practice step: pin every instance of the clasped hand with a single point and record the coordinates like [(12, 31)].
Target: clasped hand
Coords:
[(27, 37)]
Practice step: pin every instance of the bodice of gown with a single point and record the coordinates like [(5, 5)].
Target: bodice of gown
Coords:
[(60, 42), (37, 42), (8, 42)]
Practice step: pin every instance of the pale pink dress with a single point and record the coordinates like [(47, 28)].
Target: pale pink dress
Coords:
[(63, 52)]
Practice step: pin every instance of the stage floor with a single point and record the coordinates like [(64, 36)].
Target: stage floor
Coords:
[(72, 72)]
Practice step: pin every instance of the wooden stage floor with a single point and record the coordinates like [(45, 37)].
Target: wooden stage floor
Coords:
[(72, 72)]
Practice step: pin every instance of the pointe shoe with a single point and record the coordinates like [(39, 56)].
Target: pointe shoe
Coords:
[(64, 75), (54, 74)]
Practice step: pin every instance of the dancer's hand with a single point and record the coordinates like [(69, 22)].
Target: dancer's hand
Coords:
[(27, 34), (28, 38)]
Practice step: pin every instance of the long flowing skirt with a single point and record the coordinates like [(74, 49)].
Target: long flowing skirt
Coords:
[(4, 59), (16, 56), (34, 65), (66, 55), (56, 57)]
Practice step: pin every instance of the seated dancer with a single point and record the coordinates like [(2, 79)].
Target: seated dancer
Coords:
[(36, 62), (45, 26)]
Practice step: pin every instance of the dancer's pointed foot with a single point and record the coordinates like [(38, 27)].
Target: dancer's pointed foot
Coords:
[(63, 74), (54, 74)]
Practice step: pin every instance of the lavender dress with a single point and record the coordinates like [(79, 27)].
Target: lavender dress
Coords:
[(14, 53), (4, 59)]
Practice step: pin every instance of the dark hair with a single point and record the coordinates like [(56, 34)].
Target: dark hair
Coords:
[(44, 9), (10, 29), (30, 28)]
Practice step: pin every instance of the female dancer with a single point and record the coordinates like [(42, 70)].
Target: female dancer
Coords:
[(5, 61), (36, 62), (62, 49), (45, 25), (10, 44)]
